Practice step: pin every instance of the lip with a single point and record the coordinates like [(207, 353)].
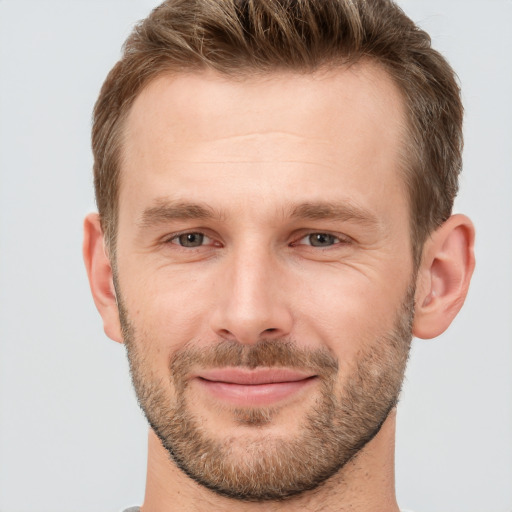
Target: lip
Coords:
[(258, 387), (253, 377)]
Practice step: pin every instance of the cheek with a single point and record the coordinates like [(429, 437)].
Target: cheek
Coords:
[(169, 308), (350, 312)]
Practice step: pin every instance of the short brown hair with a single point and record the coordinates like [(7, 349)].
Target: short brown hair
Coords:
[(243, 37)]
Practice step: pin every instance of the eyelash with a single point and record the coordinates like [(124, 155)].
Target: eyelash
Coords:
[(336, 239), (177, 236)]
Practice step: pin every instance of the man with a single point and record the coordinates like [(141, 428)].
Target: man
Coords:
[(275, 183)]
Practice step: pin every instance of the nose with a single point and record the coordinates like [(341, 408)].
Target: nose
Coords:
[(252, 303)]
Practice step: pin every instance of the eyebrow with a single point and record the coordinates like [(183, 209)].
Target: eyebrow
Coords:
[(346, 211), (165, 210)]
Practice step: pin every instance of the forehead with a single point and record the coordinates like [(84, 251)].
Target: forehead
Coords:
[(193, 130)]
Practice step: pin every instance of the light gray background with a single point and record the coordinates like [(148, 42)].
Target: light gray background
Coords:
[(71, 435)]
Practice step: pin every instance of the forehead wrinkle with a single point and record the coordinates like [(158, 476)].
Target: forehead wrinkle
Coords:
[(262, 134)]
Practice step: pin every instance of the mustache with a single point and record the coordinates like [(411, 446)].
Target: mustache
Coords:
[(265, 353)]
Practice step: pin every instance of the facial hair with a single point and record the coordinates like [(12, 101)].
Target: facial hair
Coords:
[(265, 467)]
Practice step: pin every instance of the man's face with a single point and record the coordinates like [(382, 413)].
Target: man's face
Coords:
[(264, 271)]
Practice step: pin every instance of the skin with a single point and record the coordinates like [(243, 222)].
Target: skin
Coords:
[(252, 152)]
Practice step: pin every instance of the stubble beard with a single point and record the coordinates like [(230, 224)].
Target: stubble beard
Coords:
[(264, 467)]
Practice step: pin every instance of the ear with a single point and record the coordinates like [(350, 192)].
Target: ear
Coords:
[(443, 278), (99, 271)]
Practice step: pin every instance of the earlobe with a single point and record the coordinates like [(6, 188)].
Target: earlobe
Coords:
[(99, 271), (443, 277)]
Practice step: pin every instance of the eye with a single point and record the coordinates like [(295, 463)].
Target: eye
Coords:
[(321, 240), (191, 240)]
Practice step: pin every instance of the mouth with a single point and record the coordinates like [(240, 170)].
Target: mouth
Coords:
[(251, 388)]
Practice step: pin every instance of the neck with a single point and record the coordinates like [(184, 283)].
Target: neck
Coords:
[(365, 484)]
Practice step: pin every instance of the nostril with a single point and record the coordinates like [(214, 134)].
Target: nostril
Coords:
[(224, 333)]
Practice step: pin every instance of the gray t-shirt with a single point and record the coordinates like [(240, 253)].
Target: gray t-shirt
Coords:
[(137, 509)]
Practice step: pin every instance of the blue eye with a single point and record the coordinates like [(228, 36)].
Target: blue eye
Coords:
[(321, 239)]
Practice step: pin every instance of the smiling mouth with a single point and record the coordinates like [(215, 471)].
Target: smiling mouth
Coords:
[(260, 387)]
